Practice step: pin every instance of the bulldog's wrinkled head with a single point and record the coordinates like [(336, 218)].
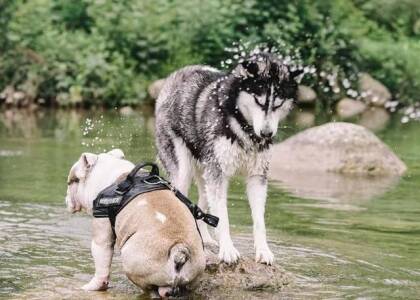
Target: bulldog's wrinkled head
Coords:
[(91, 174)]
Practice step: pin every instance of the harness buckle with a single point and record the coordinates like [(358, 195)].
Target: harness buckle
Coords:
[(160, 180), (123, 187)]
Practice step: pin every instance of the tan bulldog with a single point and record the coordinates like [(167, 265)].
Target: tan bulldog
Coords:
[(156, 233)]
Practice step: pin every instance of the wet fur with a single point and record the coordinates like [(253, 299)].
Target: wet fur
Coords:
[(206, 128)]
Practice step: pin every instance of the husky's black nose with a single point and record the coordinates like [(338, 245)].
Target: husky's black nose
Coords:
[(266, 134)]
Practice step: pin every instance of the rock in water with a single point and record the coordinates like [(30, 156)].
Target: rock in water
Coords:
[(306, 94), (336, 147), (304, 118), (239, 281), (348, 108), (373, 92), (375, 118), (126, 111), (155, 87)]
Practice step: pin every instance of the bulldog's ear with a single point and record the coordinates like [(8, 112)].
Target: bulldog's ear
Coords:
[(118, 153), (88, 160)]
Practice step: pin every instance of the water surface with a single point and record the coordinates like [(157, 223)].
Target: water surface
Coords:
[(341, 238)]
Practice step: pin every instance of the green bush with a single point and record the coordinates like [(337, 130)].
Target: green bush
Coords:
[(107, 52)]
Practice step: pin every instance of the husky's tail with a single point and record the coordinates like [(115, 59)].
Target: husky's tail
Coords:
[(179, 254)]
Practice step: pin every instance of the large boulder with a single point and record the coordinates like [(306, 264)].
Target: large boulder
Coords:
[(336, 147), (306, 94), (155, 87), (372, 91), (348, 108)]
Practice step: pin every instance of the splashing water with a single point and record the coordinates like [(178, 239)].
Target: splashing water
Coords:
[(329, 81), (241, 51), (98, 134)]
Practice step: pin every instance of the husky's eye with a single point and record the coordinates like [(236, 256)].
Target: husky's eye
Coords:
[(259, 100), (278, 102)]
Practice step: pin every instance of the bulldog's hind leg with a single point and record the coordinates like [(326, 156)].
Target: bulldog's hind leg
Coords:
[(103, 241)]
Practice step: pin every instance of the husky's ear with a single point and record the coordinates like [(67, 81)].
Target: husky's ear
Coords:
[(296, 73), (251, 67), (247, 69), (118, 153), (88, 160)]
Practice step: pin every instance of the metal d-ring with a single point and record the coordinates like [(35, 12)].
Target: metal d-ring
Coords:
[(160, 180)]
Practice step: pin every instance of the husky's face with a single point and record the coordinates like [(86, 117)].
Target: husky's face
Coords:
[(267, 93)]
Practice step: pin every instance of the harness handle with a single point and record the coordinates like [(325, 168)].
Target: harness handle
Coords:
[(126, 184), (153, 171)]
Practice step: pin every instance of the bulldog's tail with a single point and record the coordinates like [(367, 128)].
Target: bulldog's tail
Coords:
[(179, 254)]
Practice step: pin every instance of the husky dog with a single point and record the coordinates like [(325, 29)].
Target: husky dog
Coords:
[(210, 124)]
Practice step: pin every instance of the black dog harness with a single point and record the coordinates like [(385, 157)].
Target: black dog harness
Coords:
[(115, 197)]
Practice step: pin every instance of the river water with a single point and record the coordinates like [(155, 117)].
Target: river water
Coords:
[(341, 238)]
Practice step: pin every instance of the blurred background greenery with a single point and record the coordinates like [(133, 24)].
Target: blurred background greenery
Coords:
[(104, 52)]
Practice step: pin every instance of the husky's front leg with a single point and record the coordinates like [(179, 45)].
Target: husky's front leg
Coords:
[(216, 190), (257, 194), (103, 241)]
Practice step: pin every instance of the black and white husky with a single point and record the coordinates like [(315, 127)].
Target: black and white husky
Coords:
[(211, 124)]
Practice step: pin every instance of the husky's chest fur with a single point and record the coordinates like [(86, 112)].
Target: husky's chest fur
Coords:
[(232, 158)]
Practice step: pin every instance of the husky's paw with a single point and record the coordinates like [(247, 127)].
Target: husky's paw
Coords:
[(96, 284), (264, 255), (228, 253)]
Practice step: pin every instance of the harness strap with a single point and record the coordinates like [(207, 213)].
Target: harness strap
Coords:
[(114, 198), (194, 209)]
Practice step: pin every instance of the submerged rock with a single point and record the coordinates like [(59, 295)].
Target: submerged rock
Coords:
[(306, 94), (347, 108), (126, 111), (375, 118), (222, 281), (304, 118), (336, 147), (155, 87), (335, 191), (373, 92)]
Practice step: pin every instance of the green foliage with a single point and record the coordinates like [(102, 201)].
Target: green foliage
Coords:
[(107, 52)]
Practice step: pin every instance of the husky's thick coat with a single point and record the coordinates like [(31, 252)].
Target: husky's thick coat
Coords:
[(210, 124)]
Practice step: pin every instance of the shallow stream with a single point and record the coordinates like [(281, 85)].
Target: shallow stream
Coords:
[(341, 238)]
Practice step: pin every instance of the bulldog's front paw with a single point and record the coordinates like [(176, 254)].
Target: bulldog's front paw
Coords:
[(264, 255), (96, 284), (228, 253)]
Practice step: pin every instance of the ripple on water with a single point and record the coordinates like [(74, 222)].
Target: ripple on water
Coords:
[(45, 254)]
